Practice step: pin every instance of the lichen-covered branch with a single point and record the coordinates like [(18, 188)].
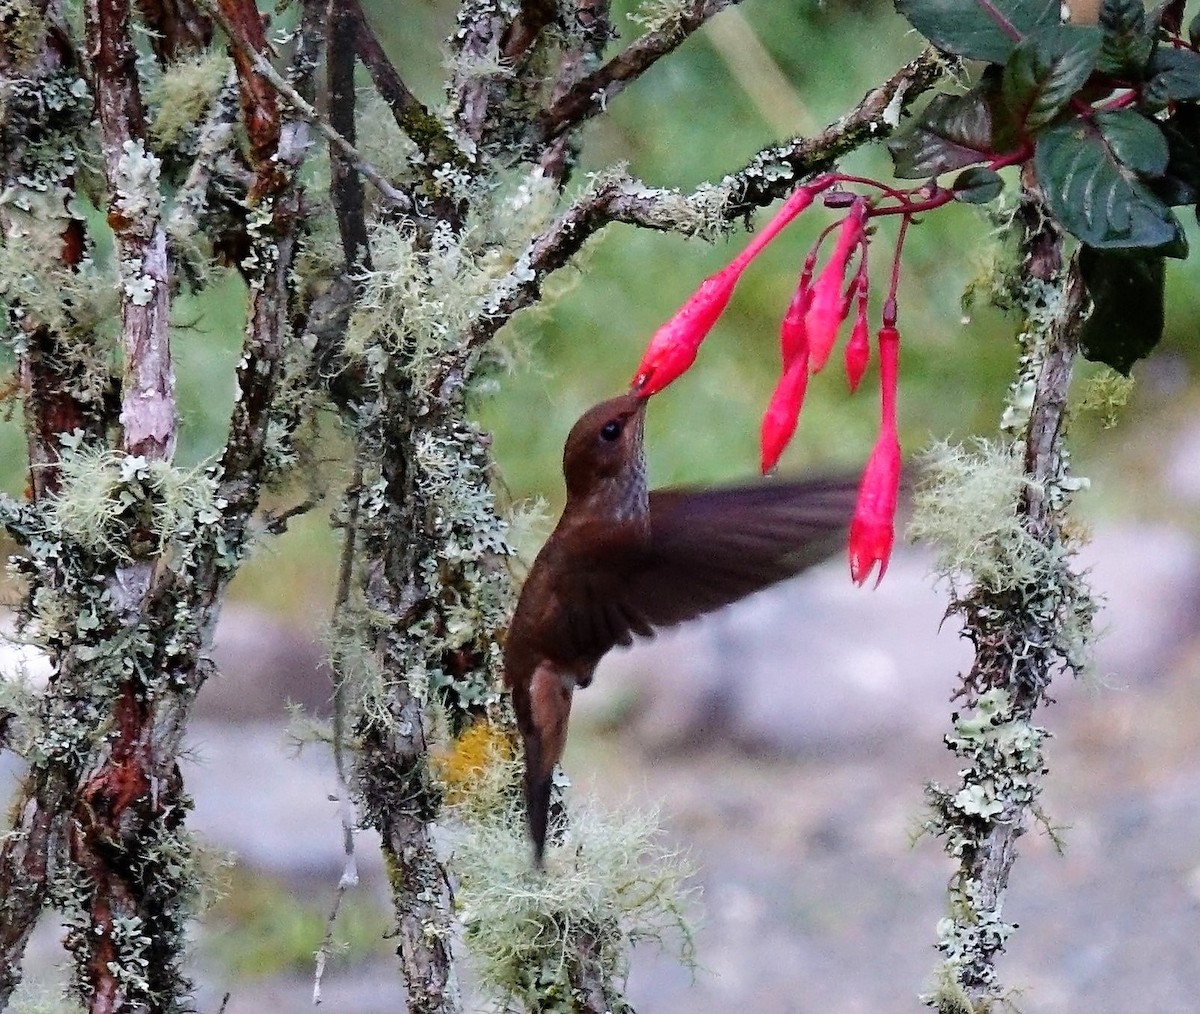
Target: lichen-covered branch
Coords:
[(126, 564), (135, 214), (262, 69), (591, 28), (45, 112), (997, 517), (712, 208), (591, 93)]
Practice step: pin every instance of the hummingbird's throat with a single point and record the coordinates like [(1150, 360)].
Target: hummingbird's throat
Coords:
[(632, 499)]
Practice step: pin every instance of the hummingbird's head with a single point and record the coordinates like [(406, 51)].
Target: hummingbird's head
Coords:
[(603, 462)]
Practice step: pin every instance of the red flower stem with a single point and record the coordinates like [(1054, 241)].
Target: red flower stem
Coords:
[(1120, 102), (940, 199), (889, 376), (865, 181), (889, 304)]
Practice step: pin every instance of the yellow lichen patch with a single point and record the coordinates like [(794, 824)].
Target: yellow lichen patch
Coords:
[(467, 764)]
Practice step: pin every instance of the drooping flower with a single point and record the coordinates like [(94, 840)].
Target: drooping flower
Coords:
[(827, 307), (783, 411), (873, 528), (674, 346), (793, 335), (858, 348)]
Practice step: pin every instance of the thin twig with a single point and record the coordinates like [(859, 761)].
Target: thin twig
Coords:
[(592, 93), (217, 137), (592, 28), (349, 877), (397, 199), (345, 186), (410, 114)]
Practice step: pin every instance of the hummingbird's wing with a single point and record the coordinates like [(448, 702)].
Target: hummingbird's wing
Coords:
[(711, 547), (705, 548)]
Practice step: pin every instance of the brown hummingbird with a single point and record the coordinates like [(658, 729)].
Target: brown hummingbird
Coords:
[(624, 561)]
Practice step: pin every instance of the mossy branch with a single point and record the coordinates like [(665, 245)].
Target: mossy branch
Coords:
[(592, 93), (997, 518), (712, 208), (399, 201)]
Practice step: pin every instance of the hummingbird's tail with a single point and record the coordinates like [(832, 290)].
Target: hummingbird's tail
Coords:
[(542, 716)]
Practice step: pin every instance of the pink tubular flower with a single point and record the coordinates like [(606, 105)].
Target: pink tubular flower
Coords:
[(675, 345), (793, 336), (858, 348), (783, 411), (827, 307), (873, 528)]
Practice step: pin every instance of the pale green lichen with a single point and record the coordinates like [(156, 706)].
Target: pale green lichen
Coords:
[(609, 883), (1106, 393), (661, 16), (24, 28), (418, 298), (966, 507), (183, 94), (137, 195), (124, 506)]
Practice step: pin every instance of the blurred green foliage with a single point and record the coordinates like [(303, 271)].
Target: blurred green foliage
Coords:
[(263, 927)]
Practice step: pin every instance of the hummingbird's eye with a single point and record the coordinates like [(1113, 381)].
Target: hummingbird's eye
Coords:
[(610, 430)]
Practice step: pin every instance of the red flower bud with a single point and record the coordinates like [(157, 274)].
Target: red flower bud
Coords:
[(783, 411), (828, 308), (793, 335), (858, 348), (873, 528)]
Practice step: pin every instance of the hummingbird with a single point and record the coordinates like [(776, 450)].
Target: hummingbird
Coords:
[(625, 561)]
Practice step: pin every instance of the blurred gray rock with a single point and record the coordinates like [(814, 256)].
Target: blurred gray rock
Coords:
[(1181, 467), (801, 668), (256, 795), (263, 662), (1148, 579)]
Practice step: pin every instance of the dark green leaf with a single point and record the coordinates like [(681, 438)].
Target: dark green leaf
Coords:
[(1136, 141), (1093, 193), (978, 30), (1180, 184), (1127, 306), (952, 131), (1194, 31), (977, 185), (1128, 41), (1174, 77), (1043, 73)]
